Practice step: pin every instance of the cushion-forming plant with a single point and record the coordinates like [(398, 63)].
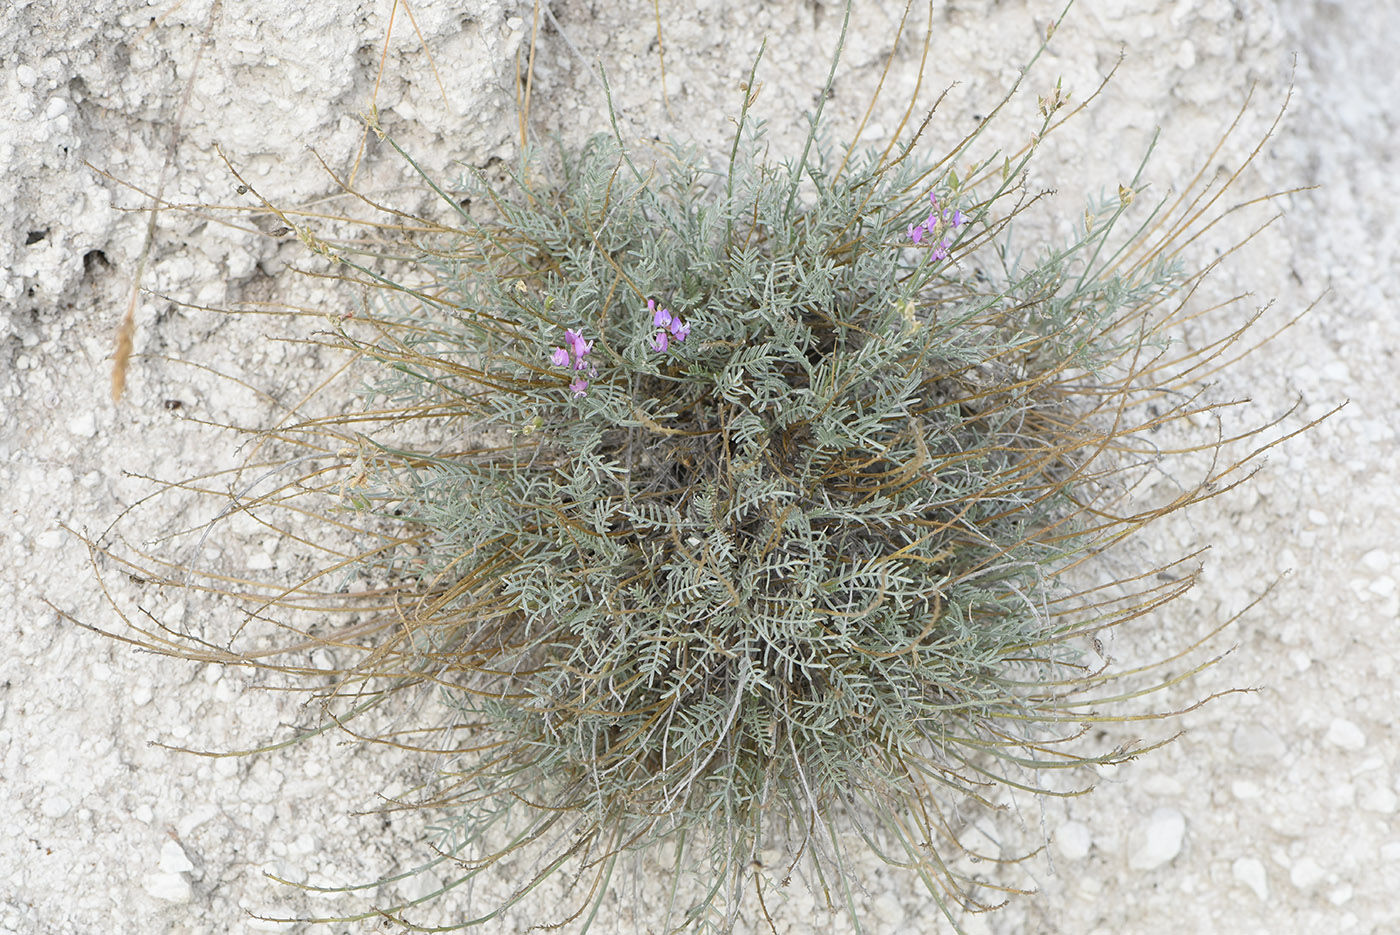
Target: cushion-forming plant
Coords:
[(740, 513)]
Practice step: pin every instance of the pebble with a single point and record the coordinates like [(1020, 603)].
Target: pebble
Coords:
[(196, 817), (171, 887), (1244, 789), (1376, 560), (1379, 799), (1306, 873), (55, 806), (1252, 874), (1073, 840), (1159, 840), (142, 693), (1343, 733), (173, 858), (83, 426)]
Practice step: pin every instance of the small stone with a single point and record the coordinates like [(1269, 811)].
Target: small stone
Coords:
[(1255, 742), (1380, 800), (55, 806), (144, 814), (196, 817), (1376, 560), (173, 858), (1317, 517), (1306, 873), (1384, 586), (1341, 894), (1073, 840), (142, 693), (1390, 851), (171, 887), (1244, 789), (83, 426), (1159, 840), (1252, 874), (1343, 733), (26, 75)]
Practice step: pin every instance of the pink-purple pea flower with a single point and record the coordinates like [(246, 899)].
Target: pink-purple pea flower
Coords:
[(669, 328), (573, 358), (938, 222)]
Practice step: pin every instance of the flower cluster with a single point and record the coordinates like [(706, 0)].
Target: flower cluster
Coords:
[(572, 358), (938, 223), (669, 327)]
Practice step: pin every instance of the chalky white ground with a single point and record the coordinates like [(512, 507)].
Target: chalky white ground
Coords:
[(1275, 812)]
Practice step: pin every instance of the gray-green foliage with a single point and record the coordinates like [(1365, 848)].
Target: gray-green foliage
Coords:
[(808, 558)]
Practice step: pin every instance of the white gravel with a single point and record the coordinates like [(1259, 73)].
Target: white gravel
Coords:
[(1275, 812)]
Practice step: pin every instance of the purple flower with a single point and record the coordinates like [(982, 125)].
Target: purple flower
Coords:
[(679, 330), (933, 200), (916, 234), (660, 341), (577, 344), (578, 348), (662, 318), (958, 218)]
